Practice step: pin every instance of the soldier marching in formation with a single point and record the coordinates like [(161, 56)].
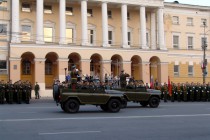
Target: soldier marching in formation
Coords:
[(185, 92), (15, 93)]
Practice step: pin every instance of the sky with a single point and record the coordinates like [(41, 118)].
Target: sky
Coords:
[(193, 2)]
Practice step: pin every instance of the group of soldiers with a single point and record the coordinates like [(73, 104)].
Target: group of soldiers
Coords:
[(185, 92), (18, 92)]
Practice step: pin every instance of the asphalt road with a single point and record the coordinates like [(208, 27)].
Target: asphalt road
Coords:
[(43, 120)]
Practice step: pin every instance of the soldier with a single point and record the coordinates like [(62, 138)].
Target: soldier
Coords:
[(2, 92), (198, 92), (164, 90), (173, 92), (9, 92), (74, 74), (123, 79), (203, 92), (184, 92), (192, 92), (178, 92), (36, 88)]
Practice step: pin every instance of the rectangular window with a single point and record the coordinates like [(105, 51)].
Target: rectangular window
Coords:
[(47, 9), (89, 12), (176, 70), (48, 68), (3, 5), (69, 35), (175, 41), (26, 7), (128, 16), (3, 67), (3, 31), (190, 70), (203, 20), (175, 20), (90, 36), (110, 34), (48, 34), (190, 42), (109, 14), (190, 21), (26, 32), (129, 38), (26, 68), (69, 11)]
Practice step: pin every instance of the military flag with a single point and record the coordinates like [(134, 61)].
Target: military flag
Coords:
[(169, 86)]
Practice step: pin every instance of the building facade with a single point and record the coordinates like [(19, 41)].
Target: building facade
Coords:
[(42, 39)]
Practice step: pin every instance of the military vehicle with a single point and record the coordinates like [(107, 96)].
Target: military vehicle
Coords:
[(140, 95), (70, 100)]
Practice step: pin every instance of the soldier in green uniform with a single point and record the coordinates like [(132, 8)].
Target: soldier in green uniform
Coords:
[(74, 74), (178, 92), (173, 92), (192, 92), (36, 88), (165, 92), (123, 79), (2, 92), (198, 92), (203, 92), (184, 92), (9, 92)]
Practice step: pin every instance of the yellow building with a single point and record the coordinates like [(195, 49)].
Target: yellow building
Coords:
[(144, 38)]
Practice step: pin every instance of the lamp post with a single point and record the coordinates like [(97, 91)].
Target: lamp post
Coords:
[(204, 46)]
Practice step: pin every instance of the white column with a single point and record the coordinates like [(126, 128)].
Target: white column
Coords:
[(104, 24), (15, 21), (124, 26), (39, 22), (62, 22), (161, 39), (153, 30), (84, 22), (143, 28)]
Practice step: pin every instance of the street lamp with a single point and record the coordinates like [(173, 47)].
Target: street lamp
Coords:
[(204, 46)]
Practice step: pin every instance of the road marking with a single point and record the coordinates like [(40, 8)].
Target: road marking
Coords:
[(102, 118), (78, 132)]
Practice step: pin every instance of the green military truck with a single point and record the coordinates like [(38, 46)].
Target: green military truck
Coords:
[(70, 101), (141, 95)]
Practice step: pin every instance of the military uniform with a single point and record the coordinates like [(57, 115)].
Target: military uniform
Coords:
[(178, 93), (203, 93), (173, 93), (123, 80), (208, 92), (192, 92), (184, 92), (2, 93), (36, 88), (9, 92)]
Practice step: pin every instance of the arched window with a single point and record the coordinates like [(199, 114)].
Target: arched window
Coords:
[(48, 67), (26, 67)]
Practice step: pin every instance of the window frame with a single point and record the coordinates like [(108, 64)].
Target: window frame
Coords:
[(189, 46), (109, 14), (4, 6), (189, 23), (70, 12), (26, 67), (49, 24), (202, 21), (89, 12), (46, 10), (26, 9), (72, 26), (190, 74), (4, 70), (5, 34), (176, 73), (173, 39), (175, 20), (48, 67)]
